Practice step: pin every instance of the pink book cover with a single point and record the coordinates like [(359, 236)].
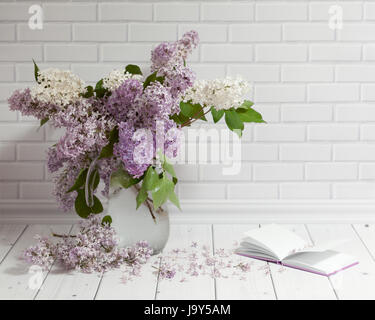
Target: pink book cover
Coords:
[(299, 268)]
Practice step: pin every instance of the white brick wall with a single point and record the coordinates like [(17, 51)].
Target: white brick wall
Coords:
[(313, 85)]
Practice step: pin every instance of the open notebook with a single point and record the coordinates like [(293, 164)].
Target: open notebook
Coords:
[(278, 245)]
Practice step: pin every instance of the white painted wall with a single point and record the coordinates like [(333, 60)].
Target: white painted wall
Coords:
[(314, 86)]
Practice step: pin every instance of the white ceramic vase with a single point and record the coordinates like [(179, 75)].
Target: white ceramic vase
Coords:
[(134, 225)]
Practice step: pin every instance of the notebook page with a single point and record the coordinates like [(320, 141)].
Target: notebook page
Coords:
[(279, 240)]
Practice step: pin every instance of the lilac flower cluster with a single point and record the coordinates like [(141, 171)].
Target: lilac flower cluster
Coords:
[(92, 249), (140, 110)]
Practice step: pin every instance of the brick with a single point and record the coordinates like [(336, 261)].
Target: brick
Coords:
[(306, 113), (32, 151), (369, 52), (36, 190), (6, 73), (234, 172), (307, 32), (20, 52), (369, 11), (255, 72), (229, 53), (253, 191), (269, 112), (125, 11), (152, 32), (53, 134), (207, 32), (335, 52), (307, 73), (351, 113), (69, 12), (279, 93), (356, 32), (94, 72), (276, 132), (281, 12), (333, 92), (50, 32), (21, 171), (176, 12), (71, 52), (305, 190), (17, 132), (186, 172), (278, 172), (305, 152), (100, 32), (7, 32), (126, 52), (319, 11), (355, 73), (6, 114), (332, 132), (8, 190), (368, 132), (227, 12), (368, 92), (259, 152), (6, 90), (254, 33), (280, 53), (354, 191), (14, 12), (209, 71), (7, 152), (331, 171), (202, 191), (354, 152), (367, 171)]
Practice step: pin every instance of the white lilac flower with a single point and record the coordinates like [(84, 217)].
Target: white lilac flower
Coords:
[(116, 77), (220, 93), (60, 87)]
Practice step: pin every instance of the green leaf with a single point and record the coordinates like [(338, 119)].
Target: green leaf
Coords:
[(100, 90), (151, 179), (174, 199), (152, 78), (43, 121), (36, 71), (80, 181), (167, 166), (194, 111), (162, 192), (122, 178), (246, 105), (80, 205), (179, 118), (249, 115), (107, 151), (233, 121), (89, 92), (97, 206), (141, 196), (133, 69), (175, 180), (107, 220), (217, 115)]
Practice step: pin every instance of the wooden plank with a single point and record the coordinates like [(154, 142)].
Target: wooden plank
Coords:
[(357, 282), (9, 234), (62, 284), (15, 277), (295, 284), (142, 287), (258, 284), (199, 287), (367, 234)]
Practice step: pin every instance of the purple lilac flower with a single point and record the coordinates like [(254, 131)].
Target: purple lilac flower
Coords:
[(92, 249), (121, 102)]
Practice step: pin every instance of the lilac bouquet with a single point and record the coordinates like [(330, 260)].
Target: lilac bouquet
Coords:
[(125, 130)]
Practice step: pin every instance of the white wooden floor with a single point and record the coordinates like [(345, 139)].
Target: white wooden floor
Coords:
[(355, 283)]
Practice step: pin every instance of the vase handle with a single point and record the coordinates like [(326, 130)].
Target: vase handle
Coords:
[(89, 196)]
